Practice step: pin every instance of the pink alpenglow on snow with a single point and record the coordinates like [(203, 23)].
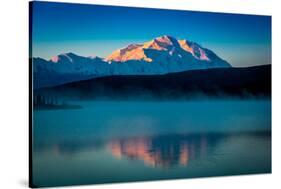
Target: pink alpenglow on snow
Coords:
[(163, 43)]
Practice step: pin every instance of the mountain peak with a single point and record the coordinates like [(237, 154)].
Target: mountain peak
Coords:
[(196, 50), (131, 52), (159, 49), (166, 39), (64, 56), (164, 54), (165, 43)]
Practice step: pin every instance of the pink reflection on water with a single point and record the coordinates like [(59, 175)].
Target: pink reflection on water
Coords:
[(157, 153)]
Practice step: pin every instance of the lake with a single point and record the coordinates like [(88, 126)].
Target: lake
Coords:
[(110, 141)]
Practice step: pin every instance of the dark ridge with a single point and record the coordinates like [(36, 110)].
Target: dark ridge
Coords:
[(250, 82)]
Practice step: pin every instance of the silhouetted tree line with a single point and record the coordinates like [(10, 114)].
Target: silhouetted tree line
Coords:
[(40, 100)]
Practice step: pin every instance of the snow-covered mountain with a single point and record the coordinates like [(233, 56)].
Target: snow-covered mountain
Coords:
[(66, 68), (161, 55)]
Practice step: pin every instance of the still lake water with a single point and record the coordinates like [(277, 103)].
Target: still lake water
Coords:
[(109, 141)]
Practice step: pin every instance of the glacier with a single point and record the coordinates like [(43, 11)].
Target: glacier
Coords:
[(164, 54)]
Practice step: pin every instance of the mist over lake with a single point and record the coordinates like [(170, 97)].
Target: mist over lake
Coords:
[(151, 140)]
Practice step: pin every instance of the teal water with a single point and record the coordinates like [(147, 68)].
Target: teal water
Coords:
[(106, 142)]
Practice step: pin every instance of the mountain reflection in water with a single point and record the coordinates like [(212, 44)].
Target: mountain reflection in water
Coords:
[(141, 141), (152, 157), (155, 151), (163, 151)]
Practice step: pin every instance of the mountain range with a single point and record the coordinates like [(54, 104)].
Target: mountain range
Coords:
[(162, 55)]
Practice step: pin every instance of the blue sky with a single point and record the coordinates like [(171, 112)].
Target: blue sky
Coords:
[(88, 30)]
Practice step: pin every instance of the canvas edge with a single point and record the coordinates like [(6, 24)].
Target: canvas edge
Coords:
[(30, 96), (151, 8)]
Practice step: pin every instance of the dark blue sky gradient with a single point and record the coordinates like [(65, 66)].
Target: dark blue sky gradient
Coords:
[(243, 40)]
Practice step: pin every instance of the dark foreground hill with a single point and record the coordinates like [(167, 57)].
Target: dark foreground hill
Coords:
[(251, 82)]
